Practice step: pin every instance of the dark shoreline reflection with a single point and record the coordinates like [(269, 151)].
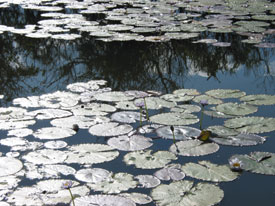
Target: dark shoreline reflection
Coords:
[(34, 66)]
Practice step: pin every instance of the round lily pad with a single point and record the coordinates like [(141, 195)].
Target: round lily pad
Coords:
[(104, 200), (147, 181), (55, 144), (180, 132), (172, 118), (194, 148), (225, 93), (260, 99), (113, 96), (127, 117), (186, 108), (110, 129), (236, 109), (53, 133), (258, 162), (115, 184), (147, 160), (251, 124), (138, 198), (202, 194), (92, 175), (219, 130), (132, 143), (170, 172), (208, 171), (9, 166), (210, 100)]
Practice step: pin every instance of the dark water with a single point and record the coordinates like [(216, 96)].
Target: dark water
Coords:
[(37, 66)]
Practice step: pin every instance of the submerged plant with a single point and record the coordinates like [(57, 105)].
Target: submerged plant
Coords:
[(67, 185), (203, 102)]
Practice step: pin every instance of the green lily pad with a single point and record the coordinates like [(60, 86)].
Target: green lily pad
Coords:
[(220, 130), (146, 160), (260, 99), (211, 100), (147, 181), (115, 184), (132, 143), (177, 98), (186, 108), (172, 118), (113, 96), (208, 171), (138, 198), (92, 175), (180, 132), (225, 93), (185, 193), (251, 124), (170, 172), (127, 117), (258, 162), (53, 133), (239, 140), (91, 154), (183, 92), (193, 148), (217, 114), (9, 166), (157, 103), (236, 109), (104, 200), (110, 129)]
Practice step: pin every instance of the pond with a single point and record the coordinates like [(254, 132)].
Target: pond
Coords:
[(117, 96)]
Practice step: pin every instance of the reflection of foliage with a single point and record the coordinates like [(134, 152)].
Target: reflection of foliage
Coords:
[(33, 66)]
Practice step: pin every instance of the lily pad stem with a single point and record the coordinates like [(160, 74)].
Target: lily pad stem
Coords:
[(202, 109), (71, 196), (140, 121), (146, 109)]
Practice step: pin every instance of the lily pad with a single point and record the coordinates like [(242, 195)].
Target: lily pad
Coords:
[(236, 109), (219, 130), (180, 132), (208, 171), (239, 140), (258, 162), (147, 160), (49, 113), (113, 96), (210, 100), (91, 154), (55, 144), (53, 133), (138, 198), (115, 184), (183, 92), (260, 99), (110, 129), (156, 103), (148, 181), (127, 117), (170, 172), (194, 148), (132, 143), (9, 166), (93, 175), (177, 98), (225, 93), (186, 108), (251, 124), (185, 193), (172, 118), (104, 200)]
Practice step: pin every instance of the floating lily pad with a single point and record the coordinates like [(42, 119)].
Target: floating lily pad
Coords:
[(251, 124), (132, 143), (126, 105), (53, 133), (208, 171), (186, 108), (211, 100), (185, 193), (236, 109), (170, 172), (138, 198), (217, 114), (172, 118), (177, 98), (113, 96), (23, 132), (55, 144), (260, 99), (115, 184), (146, 160), (219, 130), (180, 132), (93, 175), (156, 103), (49, 113), (225, 93), (110, 129), (104, 200), (148, 181), (258, 162), (9, 166), (239, 140), (183, 92), (194, 148), (91, 154), (127, 117)]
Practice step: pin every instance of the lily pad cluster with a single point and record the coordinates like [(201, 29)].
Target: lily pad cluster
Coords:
[(154, 21), (98, 140)]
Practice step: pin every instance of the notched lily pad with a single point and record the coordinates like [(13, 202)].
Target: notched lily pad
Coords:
[(172, 118), (180, 132), (260, 99), (194, 148), (132, 143), (147, 181), (170, 172), (210, 100), (127, 117), (185, 193), (236, 109), (138, 198), (225, 93), (147, 160), (92, 175), (110, 129), (113, 96), (208, 171)]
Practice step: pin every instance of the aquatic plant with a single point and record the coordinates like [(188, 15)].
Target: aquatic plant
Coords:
[(67, 185), (203, 102)]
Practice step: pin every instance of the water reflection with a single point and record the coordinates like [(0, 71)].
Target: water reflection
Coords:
[(34, 66)]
